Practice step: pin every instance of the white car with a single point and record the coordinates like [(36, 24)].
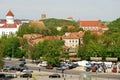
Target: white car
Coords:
[(7, 58), (108, 64), (44, 63)]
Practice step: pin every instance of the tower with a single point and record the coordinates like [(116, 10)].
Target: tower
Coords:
[(43, 16), (10, 18)]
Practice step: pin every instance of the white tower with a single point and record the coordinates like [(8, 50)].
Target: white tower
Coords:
[(10, 18)]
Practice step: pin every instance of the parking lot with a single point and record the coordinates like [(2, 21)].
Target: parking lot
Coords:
[(74, 74)]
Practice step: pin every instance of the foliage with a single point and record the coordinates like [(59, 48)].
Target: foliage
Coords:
[(106, 45), (51, 51), (1, 55), (115, 25), (53, 23), (11, 45)]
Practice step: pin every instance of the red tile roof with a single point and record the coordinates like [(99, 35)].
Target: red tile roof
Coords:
[(74, 35), (104, 27), (9, 26), (3, 22), (52, 37), (89, 23), (10, 13)]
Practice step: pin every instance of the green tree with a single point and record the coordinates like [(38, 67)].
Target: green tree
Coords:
[(11, 45), (1, 55), (51, 51)]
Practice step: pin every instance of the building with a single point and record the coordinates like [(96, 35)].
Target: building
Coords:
[(43, 16), (73, 40), (94, 26), (9, 26)]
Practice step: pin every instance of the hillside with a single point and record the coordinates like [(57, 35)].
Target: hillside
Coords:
[(115, 25), (52, 22)]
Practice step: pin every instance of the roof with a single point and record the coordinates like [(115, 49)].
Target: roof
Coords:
[(52, 37), (74, 35), (5, 25), (2, 22), (96, 58), (111, 59), (89, 23), (74, 59), (10, 13), (9, 26), (104, 27)]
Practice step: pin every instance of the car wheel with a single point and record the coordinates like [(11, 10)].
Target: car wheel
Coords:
[(30, 76), (50, 77)]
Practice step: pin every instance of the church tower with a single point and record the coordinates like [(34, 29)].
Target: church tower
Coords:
[(10, 18)]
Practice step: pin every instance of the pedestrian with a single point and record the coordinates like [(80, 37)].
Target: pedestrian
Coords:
[(62, 72), (39, 69), (104, 67)]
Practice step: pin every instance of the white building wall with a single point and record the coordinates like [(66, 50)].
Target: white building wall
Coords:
[(10, 19), (1, 25), (7, 31), (73, 43)]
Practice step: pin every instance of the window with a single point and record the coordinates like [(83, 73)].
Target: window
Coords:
[(73, 41)]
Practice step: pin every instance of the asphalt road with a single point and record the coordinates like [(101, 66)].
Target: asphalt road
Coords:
[(70, 72)]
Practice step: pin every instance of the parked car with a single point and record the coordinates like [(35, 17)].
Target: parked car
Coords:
[(54, 76), (21, 69), (93, 69), (7, 58), (6, 68), (73, 66), (2, 75), (11, 75), (22, 64), (88, 68), (27, 71), (62, 67), (49, 67), (43, 63), (21, 59), (114, 70), (26, 75)]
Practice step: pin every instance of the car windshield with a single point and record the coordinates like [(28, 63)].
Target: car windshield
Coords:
[(7, 67)]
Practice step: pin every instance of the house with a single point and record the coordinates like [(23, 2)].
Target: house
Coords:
[(9, 26), (73, 40), (94, 26)]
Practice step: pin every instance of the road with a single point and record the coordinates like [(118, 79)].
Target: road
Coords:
[(70, 72)]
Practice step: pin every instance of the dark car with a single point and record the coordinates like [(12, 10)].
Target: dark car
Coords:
[(49, 67), (2, 76), (6, 68), (22, 64), (21, 59), (26, 75), (73, 66), (62, 67), (54, 76)]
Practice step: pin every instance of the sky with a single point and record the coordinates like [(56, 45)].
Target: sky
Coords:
[(105, 10)]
